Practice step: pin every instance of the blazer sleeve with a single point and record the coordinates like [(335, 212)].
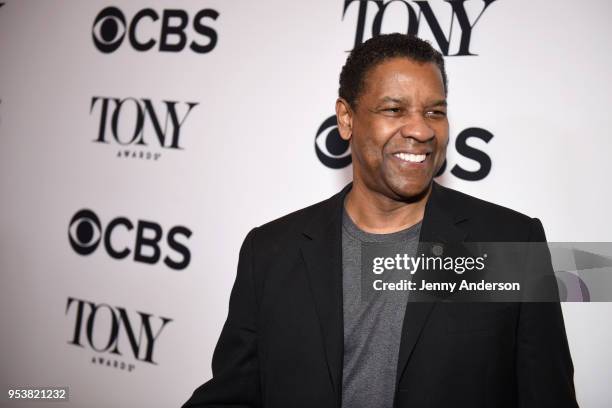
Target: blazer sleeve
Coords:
[(235, 366), (544, 366)]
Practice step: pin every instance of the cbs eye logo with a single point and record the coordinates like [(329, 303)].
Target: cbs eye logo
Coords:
[(109, 29), (333, 151), (85, 232)]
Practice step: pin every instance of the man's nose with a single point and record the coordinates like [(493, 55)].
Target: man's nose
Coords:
[(416, 127)]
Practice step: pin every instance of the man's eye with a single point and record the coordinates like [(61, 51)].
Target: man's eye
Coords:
[(435, 114), (392, 110)]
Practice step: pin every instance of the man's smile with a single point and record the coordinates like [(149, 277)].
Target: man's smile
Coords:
[(411, 157)]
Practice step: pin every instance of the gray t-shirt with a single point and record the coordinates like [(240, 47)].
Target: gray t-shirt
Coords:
[(372, 327)]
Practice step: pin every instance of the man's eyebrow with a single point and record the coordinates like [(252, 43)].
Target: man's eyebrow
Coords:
[(391, 99), (439, 102)]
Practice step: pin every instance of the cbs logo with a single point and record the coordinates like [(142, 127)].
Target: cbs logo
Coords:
[(110, 28), (85, 233), (334, 152)]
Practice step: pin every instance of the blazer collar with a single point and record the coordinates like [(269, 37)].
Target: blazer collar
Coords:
[(439, 222), (329, 213), (441, 218)]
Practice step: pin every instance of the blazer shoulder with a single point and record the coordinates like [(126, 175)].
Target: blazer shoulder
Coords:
[(500, 221), (476, 206), (297, 221)]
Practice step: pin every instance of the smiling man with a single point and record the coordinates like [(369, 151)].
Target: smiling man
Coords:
[(299, 333), (395, 119)]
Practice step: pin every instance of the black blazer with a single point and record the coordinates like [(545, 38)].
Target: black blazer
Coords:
[(282, 343)]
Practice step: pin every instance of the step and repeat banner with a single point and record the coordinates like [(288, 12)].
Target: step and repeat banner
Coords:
[(141, 140)]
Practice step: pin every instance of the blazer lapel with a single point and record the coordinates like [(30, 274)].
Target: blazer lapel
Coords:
[(322, 253), (439, 226)]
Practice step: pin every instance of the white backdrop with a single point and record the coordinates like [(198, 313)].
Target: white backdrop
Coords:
[(244, 155)]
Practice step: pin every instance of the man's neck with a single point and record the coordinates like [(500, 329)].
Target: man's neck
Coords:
[(378, 214)]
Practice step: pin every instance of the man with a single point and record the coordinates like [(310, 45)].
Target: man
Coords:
[(297, 333)]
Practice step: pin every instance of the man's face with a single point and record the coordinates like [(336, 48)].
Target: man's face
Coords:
[(399, 128)]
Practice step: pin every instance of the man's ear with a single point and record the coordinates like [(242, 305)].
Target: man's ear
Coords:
[(344, 116)]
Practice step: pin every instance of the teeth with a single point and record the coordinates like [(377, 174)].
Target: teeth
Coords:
[(414, 158)]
